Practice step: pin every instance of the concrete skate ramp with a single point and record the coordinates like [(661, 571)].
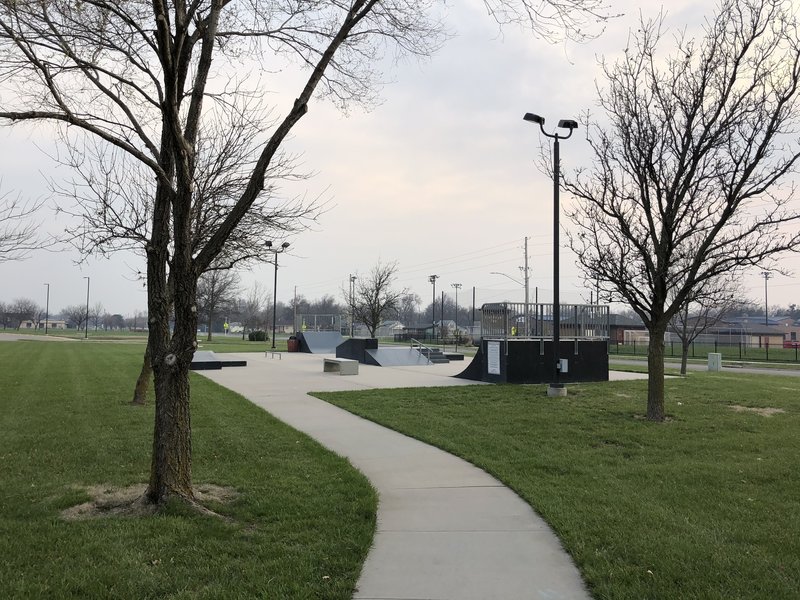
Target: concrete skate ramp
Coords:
[(319, 342), (394, 357)]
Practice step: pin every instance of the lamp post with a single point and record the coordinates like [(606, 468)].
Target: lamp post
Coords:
[(556, 388), (766, 275), (432, 279), (86, 334), (277, 251), (47, 308), (457, 287), (352, 302)]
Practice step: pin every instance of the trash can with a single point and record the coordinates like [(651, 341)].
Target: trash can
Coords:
[(293, 344)]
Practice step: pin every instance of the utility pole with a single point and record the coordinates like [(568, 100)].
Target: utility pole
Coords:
[(457, 287), (527, 279), (766, 275), (441, 320), (473, 307), (352, 302), (432, 279)]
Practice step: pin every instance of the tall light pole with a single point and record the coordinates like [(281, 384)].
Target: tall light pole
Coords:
[(766, 275), (457, 287), (86, 334), (47, 308), (352, 302), (556, 388), (432, 279), (277, 251), (527, 278)]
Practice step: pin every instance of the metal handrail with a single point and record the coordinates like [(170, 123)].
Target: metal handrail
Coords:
[(420, 346)]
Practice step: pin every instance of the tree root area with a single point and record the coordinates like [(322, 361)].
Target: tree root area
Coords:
[(110, 501)]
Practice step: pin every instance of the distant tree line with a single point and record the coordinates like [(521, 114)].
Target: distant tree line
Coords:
[(21, 310)]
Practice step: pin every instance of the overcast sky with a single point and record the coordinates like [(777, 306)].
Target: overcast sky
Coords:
[(439, 178)]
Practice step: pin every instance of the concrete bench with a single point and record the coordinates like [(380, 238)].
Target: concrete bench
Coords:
[(343, 366)]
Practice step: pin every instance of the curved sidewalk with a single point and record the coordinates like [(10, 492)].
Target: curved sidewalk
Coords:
[(446, 529)]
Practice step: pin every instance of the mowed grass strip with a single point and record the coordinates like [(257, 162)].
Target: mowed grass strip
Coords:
[(299, 528), (704, 506)]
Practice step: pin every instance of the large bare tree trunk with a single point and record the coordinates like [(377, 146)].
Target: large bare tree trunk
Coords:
[(171, 468), (655, 375), (143, 382)]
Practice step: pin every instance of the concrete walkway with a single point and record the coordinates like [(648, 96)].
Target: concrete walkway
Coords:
[(446, 529)]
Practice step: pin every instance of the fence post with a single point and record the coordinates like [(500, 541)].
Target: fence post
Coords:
[(692, 349), (766, 345), (715, 346)]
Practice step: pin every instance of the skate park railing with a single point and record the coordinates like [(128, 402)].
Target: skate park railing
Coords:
[(419, 346), (505, 320), (318, 322)]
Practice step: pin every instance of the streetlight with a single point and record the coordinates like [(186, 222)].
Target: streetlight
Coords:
[(766, 275), (283, 248), (47, 309), (86, 334), (457, 287), (432, 279), (352, 302), (517, 281), (556, 388)]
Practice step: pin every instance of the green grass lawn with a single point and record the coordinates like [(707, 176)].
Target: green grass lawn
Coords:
[(235, 343), (300, 527), (704, 506)]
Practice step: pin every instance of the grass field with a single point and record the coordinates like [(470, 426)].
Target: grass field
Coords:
[(704, 506), (299, 528)]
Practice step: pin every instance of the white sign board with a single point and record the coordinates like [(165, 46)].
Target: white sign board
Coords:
[(493, 357)]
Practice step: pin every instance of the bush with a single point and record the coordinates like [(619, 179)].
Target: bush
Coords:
[(257, 336)]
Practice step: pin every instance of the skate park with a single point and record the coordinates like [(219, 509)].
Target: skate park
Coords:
[(515, 345)]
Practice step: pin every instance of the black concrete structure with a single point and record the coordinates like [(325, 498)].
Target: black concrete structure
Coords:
[(356, 349), (530, 361), (205, 360), (507, 355)]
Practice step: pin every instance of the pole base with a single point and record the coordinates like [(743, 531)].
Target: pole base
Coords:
[(556, 390)]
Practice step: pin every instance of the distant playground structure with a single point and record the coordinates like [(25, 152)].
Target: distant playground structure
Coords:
[(515, 344)]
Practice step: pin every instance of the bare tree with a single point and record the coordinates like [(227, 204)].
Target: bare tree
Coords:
[(75, 315), (217, 290), (408, 309), (96, 313), (687, 178), (18, 231), (374, 298), (142, 79), (709, 305), (21, 309), (112, 322), (252, 309)]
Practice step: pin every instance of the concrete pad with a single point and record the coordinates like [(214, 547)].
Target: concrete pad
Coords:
[(492, 565), (446, 529), (480, 508)]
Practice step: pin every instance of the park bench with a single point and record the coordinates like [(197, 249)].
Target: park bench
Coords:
[(343, 366)]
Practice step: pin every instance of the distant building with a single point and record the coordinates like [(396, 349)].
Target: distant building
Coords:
[(51, 324)]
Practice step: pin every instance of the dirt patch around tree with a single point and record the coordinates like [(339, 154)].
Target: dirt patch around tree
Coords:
[(764, 412), (109, 501)]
